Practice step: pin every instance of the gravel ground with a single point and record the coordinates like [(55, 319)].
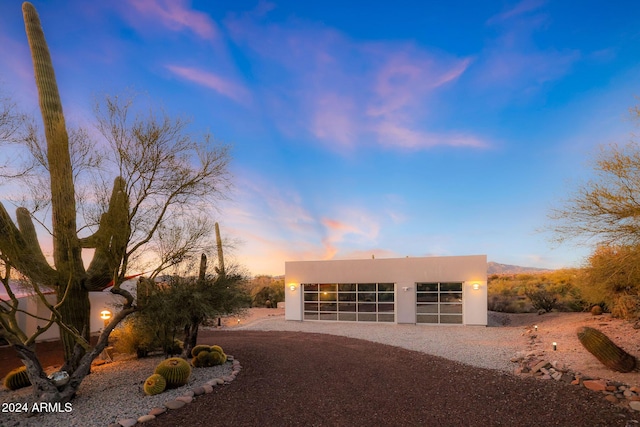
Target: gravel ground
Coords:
[(111, 392), (349, 374)]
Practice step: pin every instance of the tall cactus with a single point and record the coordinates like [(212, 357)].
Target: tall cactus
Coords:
[(220, 268), (20, 245), (612, 356)]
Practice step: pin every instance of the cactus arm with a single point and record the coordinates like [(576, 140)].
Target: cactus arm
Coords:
[(21, 247), (110, 240)]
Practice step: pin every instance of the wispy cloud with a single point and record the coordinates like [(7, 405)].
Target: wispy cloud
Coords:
[(521, 8), (345, 93), (176, 15), (235, 91)]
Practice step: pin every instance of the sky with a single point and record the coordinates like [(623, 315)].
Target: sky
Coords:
[(360, 128)]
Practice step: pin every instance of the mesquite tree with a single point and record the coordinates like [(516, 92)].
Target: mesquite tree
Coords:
[(161, 176)]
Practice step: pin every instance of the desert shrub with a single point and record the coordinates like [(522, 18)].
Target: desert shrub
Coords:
[(626, 307), (596, 310)]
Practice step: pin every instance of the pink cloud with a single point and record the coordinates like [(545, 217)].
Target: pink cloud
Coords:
[(525, 6), (176, 15), (232, 90)]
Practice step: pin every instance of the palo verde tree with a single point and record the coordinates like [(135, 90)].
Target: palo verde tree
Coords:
[(605, 212), (163, 181)]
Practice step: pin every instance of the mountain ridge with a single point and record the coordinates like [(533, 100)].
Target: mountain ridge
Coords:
[(497, 268)]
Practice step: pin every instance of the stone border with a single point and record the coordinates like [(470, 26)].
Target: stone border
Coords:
[(531, 363), (185, 399)]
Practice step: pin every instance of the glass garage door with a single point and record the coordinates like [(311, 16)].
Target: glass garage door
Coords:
[(351, 302), (439, 302)]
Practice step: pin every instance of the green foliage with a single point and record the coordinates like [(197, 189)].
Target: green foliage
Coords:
[(176, 371), (135, 336), (155, 384), (612, 356), (612, 279), (520, 293), (266, 291), (17, 378), (179, 301)]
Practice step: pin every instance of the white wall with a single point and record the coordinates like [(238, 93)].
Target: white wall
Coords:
[(404, 272)]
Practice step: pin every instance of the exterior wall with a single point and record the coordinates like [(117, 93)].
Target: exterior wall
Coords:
[(404, 272), (99, 301)]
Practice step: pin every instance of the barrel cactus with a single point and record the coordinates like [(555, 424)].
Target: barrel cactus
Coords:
[(612, 356), (17, 378), (199, 348), (155, 384), (176, 371)]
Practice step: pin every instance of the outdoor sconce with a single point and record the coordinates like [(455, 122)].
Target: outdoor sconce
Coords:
[(405, 288), (292, 286), (105, 315), (476, 286)]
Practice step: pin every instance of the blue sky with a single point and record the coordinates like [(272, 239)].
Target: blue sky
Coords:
[(365, 127)]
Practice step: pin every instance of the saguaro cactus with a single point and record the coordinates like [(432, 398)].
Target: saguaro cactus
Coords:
[(20, 245), (220, 268), (612, 356)]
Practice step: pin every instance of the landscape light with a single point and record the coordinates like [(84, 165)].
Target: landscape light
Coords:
[(555, 345), (536, 328)]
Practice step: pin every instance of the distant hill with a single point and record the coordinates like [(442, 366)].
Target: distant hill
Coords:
[(496, 268)]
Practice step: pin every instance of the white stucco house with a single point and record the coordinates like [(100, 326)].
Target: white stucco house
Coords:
[(424, 290)]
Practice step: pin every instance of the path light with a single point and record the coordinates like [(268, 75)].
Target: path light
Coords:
[(555, 345), (536, 328)]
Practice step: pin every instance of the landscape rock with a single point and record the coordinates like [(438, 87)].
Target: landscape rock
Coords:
[(128, 422), (174, 404), (157, 411), (198, 391), (185, 399), (146, 418), (595, 385), (635, 405)]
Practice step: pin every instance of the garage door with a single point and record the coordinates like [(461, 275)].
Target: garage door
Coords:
[(439, 302), (350, 302)]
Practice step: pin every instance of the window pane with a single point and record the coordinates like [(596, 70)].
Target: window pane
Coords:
[(348, 317), (310, 316), (367, 297), (422, 287), (388, 287), (328, 296), (423, 318), (451, 318), (347, 306), (310, 287), (451, 287), (347, 287), (366, 317), (310, 306), (330, 306), (427, 297), (386, 307), (385, 318), (328, 287), (328, 316), (451, 308), (451, 297), (386, 297), (309, 296), (367, 307), (367, 287), (346, 296), (427, 308)]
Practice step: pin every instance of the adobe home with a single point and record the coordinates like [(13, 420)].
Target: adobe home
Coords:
[(425, 290)]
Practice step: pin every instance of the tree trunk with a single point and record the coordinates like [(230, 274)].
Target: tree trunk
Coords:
[(76, 313)]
